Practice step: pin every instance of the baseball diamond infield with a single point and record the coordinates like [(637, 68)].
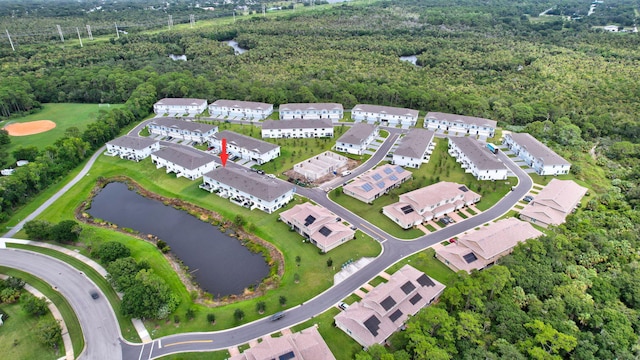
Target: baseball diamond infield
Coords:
[(29, 128)]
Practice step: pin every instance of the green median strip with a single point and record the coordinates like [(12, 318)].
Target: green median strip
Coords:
[(126, 326), (69, 316)]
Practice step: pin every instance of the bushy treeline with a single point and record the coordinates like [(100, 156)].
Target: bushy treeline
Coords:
[(69, 151)]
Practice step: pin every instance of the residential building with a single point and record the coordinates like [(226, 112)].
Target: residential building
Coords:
[(554, 203), (245, 147), (249, 189), (481, 248), (180, 106), (184, 161), (384, 115), (319, 225), (132, 147), (376, 182), (297, 128), (415, 148), (181, 129), (310, 111), (249, 110), (357, 139), (476, 159), (320, 165), (385, 309), (460, 124), (536, 154), (429, 203), (306, 344)]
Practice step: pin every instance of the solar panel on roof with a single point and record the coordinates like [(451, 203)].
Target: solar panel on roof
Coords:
[(407, 209), (309, 220), (414, 300), (376, 177), (408, 287), (463, 188), (380, 184), (388, 303), (388, 170), (424, 280), (396, 314), (393, 178), (367, 187), (399, 169), (325, 231), (287, 356), (372, 324), (470, 257)]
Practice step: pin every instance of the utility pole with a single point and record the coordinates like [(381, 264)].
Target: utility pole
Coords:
[(170, 22), (234, 16), (10, 42), (79, 38), (89, 32), (117, 31), (192, 20), (60, 32), (263, 10)]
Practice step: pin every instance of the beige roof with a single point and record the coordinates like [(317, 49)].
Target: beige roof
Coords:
[(311, 106), (471, 120), (306, 344), (491, 240), (461, 257), (385, 110), (321, 224), (437, 193), (377, 181), (181, 101), (537, 149), (477, 153), (415, 143), (357, 134), (385, 308), (242, 104), (554, 202)]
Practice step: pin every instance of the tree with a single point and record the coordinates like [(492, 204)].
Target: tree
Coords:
[(261, 306), (211, 318), (112, 250), (66, 231), (29, 153), (190, 314), (122, 273), (34, 305), (329, 262), (38, 229), (49, 332), (148, 297), (4, 137), (238, 315), (282, 300)]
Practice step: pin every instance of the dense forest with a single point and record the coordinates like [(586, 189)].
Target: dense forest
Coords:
[(571, 294)]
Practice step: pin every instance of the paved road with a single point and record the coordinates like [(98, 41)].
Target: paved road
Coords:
[(97, 319)]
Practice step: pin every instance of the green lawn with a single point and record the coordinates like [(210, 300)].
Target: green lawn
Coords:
[(64, 115), (426, 262), (441, 167), (20, 326)]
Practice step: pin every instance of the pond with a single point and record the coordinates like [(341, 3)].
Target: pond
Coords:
[(218, 262), (236, 48)]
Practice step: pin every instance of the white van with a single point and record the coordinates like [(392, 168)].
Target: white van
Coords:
[(346, 173)]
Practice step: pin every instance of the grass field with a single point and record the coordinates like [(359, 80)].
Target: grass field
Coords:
[(65, 116), (20, 326)]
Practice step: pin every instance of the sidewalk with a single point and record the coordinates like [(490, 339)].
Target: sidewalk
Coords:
[(137, 323)]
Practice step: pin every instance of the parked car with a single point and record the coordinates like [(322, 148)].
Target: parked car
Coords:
[(343, 306), (527, 198), (261, 172), (277, 316)]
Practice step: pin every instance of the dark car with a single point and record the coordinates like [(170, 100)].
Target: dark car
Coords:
[(277, 316), (527, 198), (94, 295)]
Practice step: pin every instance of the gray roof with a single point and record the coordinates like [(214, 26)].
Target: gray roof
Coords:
[(463, 119), (385, 110), (181, 101), (415, 143), (297, 124), (183, 156), (246, 142), (477, 153), (250, 182), (242, 104), (132, 142), (357, 134), (537, 149), (183, 124), (311, 106)]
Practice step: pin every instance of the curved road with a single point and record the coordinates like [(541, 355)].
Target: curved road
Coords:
[(98, 321)]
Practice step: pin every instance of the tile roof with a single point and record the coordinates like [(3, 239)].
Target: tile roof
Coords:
[(495, 238), (385, 110), (306, 344), (477, 153), (185, 157), (133, 142), (553, 203), (378, 180), (462, 119), (357, 134), (310, 106), (246, 142), (324, 229), (252, 183), (242, 104), (181, 101), (415, 143), (182, 124), (537, 149), (297, 124)]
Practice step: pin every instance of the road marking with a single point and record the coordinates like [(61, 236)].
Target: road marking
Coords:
[(151, 350), (189, 342), (141, 351), (382, 239), (159, 343)]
